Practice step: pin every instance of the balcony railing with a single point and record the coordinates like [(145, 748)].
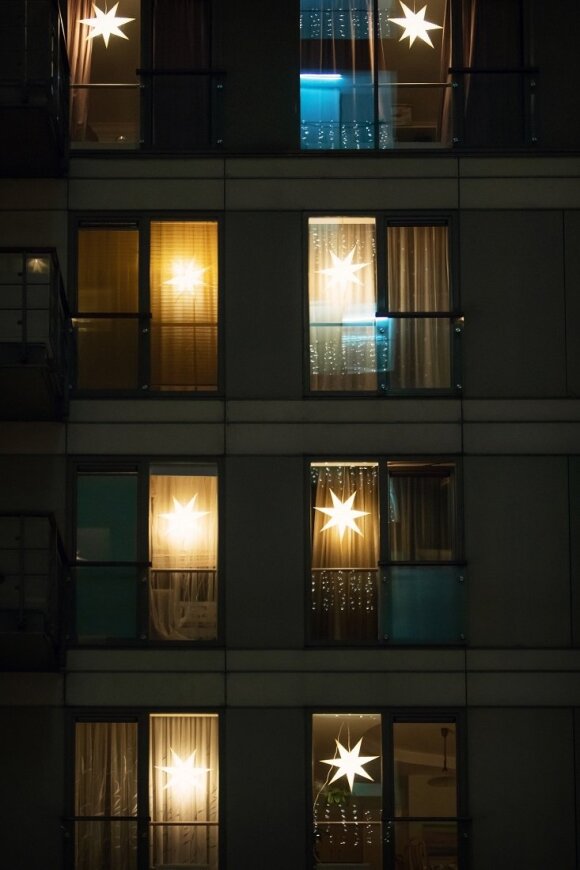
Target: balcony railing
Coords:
[(34, 329), (33, 570)]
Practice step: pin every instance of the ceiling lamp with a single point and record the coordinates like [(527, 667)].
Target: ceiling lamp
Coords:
[(342, 515), (350, 763), (106, 24), (446, 778), (342, 272), (184, 776), (414, 25), (182, 521), (186, 277)]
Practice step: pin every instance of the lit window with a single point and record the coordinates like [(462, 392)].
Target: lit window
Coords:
[(182, 805), (404, 813), (398, 335), (156, 330), (384, 553), (166, 98), (112, 554)]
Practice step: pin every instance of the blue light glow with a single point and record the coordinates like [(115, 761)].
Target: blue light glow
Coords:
[(320, 77)]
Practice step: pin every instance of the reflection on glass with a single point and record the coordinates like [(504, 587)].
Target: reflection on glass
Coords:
[(184, 790), (345, 551), (421, 512), (347, 789), (183, 536), (425, 772)]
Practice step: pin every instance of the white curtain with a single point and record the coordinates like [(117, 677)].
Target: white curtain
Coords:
[(105, 785), (183, 585), (343, 304), (184, 819)]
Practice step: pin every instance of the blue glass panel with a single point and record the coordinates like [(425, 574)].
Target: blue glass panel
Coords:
[(423, 604), (106, 603), (107, 517)]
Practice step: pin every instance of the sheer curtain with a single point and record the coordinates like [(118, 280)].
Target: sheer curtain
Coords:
[(344, 571), (105, 785), (80, 51), (420, 516), (418, 280), (184, 815), (183, 541), (342, 299)]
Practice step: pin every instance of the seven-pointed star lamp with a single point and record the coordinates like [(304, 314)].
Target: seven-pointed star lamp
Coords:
[(183, 775), (349, 763), (415, 26), (106, 24), (182, 521), (342, 515), (342, 272)]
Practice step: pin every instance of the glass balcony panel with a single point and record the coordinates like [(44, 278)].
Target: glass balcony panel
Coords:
[(413, 115), (106, 603), (497, 109), (183, 605), (183, 357), (344, 605), (182, 106), (426, 843), (110, 116), (423, 604), (184, 845), (418, 356), (106, 845), (107, 353), (348, 844), (343, 357)]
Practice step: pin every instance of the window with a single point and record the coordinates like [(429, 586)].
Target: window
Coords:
[(170, 551), (385, 791), (147, 306), (120, 823), (385, 553), (380, 307), (146, 83)]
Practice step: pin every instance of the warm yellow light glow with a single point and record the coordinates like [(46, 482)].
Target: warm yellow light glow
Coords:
[(342, 273), (186, 277), (350, 763), (414, 25), (342, 515), (182, 522), (106, 24), (184, 775)]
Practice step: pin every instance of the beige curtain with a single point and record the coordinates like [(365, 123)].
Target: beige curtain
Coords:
[(344, 572), (184, 305), (418, 280), (105, 785), (184, 820), (342, 312), (79, 57), (421, 516), (183, 585)]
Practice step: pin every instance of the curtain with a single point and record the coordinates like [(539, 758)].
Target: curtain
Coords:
[(342, 306), (106, 785), (420, 517), (344, 572), (184, 814), (418, 280), (79, 57), (184, 301), (183, 588)]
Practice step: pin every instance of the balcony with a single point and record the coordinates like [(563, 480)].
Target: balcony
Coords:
[(34, 336), (33, 570), (33, 89)]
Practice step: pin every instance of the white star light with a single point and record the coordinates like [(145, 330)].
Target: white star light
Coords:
[(184, 775), (342, 515), (342, 273), (182, 522), (415, 26), (106, 24), (186, 277), (350, 763)]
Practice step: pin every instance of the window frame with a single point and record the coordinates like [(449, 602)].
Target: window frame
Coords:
[(141, 467), (141, 221), (389, 716), (384, 220), (141, 717), (385, 562)]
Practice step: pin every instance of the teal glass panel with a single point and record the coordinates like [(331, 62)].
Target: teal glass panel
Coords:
[(423, 604), (106, 603), (107, 517)]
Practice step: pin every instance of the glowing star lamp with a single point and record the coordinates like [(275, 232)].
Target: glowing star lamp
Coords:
[(342, 515), (342, 272), (186, 277), (414, 25), (350, 763), (182, 521), (184, 775), (106, 24)]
